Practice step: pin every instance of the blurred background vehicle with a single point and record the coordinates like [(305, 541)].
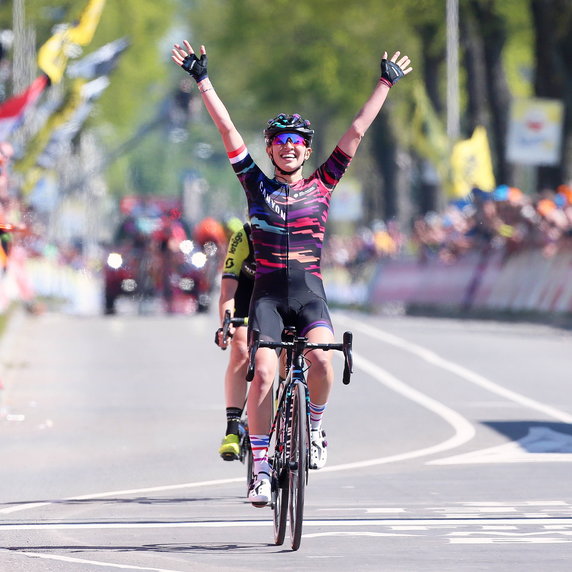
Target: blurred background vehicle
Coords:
[(154, 258)]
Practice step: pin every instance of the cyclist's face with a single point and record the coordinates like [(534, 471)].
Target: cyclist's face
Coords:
[(288, 152)]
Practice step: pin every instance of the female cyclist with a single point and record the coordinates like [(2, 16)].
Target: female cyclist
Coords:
[(288, 214)]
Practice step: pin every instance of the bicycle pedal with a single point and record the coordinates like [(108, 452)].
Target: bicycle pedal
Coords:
[(229, 457)]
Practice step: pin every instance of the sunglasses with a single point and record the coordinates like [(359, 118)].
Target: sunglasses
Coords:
[(294, 138)]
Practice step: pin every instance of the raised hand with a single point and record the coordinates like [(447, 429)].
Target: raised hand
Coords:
[(187, 59), (393, 70)]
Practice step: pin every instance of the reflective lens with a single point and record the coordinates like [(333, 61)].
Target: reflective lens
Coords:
[(283, 138)]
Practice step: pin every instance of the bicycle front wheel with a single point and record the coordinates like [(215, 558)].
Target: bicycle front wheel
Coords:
[(298, 453), (280, 479)]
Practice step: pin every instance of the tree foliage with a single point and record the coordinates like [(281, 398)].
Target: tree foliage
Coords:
[(320, 58)]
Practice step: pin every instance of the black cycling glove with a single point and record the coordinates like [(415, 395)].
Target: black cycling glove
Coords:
[(391, 73), (196, 67)]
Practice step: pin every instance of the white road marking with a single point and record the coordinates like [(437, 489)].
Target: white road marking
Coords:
[(84, 561), (505, 540), (433, 358), (353, 534), (157, 489), (464, 431), (529, 449), (410, 524)]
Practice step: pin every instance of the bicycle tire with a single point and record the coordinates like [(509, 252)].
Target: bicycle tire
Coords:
[(298, 465), (249, 467), (245, 452), (280, 478)]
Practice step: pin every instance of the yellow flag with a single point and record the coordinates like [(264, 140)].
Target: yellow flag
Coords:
[(36, 146), (471, 165), (53, 55)]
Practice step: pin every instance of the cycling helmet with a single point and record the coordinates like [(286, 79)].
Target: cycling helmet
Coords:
[(233, 224), (209, 230), (288, 123)]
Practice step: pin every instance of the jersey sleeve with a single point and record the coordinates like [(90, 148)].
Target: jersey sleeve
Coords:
[(237, 252), (245, 168), (334, 168)]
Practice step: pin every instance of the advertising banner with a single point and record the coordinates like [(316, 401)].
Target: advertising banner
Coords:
[(535, 131)]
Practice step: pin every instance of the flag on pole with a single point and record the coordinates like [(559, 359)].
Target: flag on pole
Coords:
[(72, 120), (430, 137), (471, 165), (53, 55), (99, 63), (12, 110), (82, 33)]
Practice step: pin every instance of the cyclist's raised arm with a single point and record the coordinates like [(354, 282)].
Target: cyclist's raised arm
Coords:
[(197, 68), (391, 71)]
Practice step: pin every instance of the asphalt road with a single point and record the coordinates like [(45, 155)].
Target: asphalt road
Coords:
[(449, 451)]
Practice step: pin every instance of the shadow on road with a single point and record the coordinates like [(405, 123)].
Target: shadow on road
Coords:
[(536, 436)]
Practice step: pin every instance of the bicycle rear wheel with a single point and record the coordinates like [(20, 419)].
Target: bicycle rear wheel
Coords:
[(246, 456), (249, 468), (280, 483), (298, 466)]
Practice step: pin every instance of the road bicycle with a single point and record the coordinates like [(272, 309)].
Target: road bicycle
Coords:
[(245, 451), (289, 451)]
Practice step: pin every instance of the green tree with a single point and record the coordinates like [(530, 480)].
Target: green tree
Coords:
[(319, 58), (142, 78)]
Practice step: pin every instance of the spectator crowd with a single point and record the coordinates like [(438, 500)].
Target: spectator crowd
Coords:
[(505, 218)]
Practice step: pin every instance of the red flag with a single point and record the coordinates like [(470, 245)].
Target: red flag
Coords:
[(12, 110)]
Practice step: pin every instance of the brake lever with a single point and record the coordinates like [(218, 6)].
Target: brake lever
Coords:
[(348, 355)]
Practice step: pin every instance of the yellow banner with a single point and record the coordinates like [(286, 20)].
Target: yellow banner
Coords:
[(53, 55), (471, 165), (82, 33)]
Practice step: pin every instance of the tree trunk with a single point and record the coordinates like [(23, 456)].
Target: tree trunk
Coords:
[(553, 52), (494, 34), (385, 156), (474, 62), (429, 189)]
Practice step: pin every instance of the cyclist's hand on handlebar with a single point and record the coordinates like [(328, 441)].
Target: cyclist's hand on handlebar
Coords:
[(220, 341)]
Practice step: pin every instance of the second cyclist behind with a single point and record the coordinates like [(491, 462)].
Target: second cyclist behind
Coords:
[(235, 292)]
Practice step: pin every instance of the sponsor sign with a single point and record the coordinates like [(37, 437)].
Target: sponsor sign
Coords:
[(535, 131)]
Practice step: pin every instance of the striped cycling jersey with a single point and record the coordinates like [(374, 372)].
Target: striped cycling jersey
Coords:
[(288, 221)]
